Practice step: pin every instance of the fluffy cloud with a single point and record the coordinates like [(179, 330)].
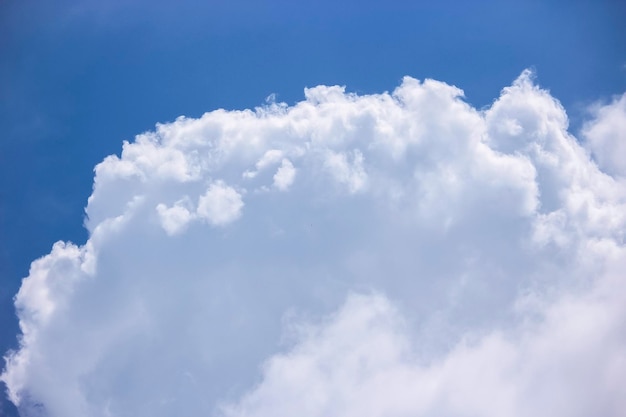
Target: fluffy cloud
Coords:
[(285, 175), (174, 219), (220, 205), (392, 254), (362, 361), (606, 136)]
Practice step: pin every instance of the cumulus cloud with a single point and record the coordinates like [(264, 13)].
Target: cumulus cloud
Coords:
[(362, 361), (174, 219), (220, 205), (606, 136), (349, 173), (391, 254), (285, 175)]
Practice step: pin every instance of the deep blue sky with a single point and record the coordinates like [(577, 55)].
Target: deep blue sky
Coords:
[(77, 78)]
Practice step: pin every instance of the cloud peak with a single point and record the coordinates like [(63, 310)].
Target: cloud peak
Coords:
[(403, 245)]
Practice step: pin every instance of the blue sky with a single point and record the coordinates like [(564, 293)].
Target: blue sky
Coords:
[(78, 78)]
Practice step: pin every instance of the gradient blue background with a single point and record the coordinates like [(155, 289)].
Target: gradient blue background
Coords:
[(77, 78)]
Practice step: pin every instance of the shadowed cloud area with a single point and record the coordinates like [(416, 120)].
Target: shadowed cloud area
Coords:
[(394, 254)]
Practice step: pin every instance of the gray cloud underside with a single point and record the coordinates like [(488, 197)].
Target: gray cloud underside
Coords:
[(398, 254)]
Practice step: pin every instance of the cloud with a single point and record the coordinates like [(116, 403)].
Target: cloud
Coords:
[(390, 254), (285, 175), (606, 136), (362, 361), (174, 219), (351, 174), (220, 205)]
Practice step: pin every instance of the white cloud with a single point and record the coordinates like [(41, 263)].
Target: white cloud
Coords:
[(490, 243), (285, 175), (363, 361), (174, 219), (220, 205), (606, 136), (350, 173), (271, 157)]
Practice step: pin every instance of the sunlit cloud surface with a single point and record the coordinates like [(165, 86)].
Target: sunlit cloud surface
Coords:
[(396, 254)]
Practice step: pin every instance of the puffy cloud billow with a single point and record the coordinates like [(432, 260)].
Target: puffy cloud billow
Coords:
[(398, 254)]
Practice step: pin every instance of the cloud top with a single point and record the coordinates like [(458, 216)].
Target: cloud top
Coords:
[(383, 255)]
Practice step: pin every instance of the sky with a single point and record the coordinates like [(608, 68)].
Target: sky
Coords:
[(316, 208)]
